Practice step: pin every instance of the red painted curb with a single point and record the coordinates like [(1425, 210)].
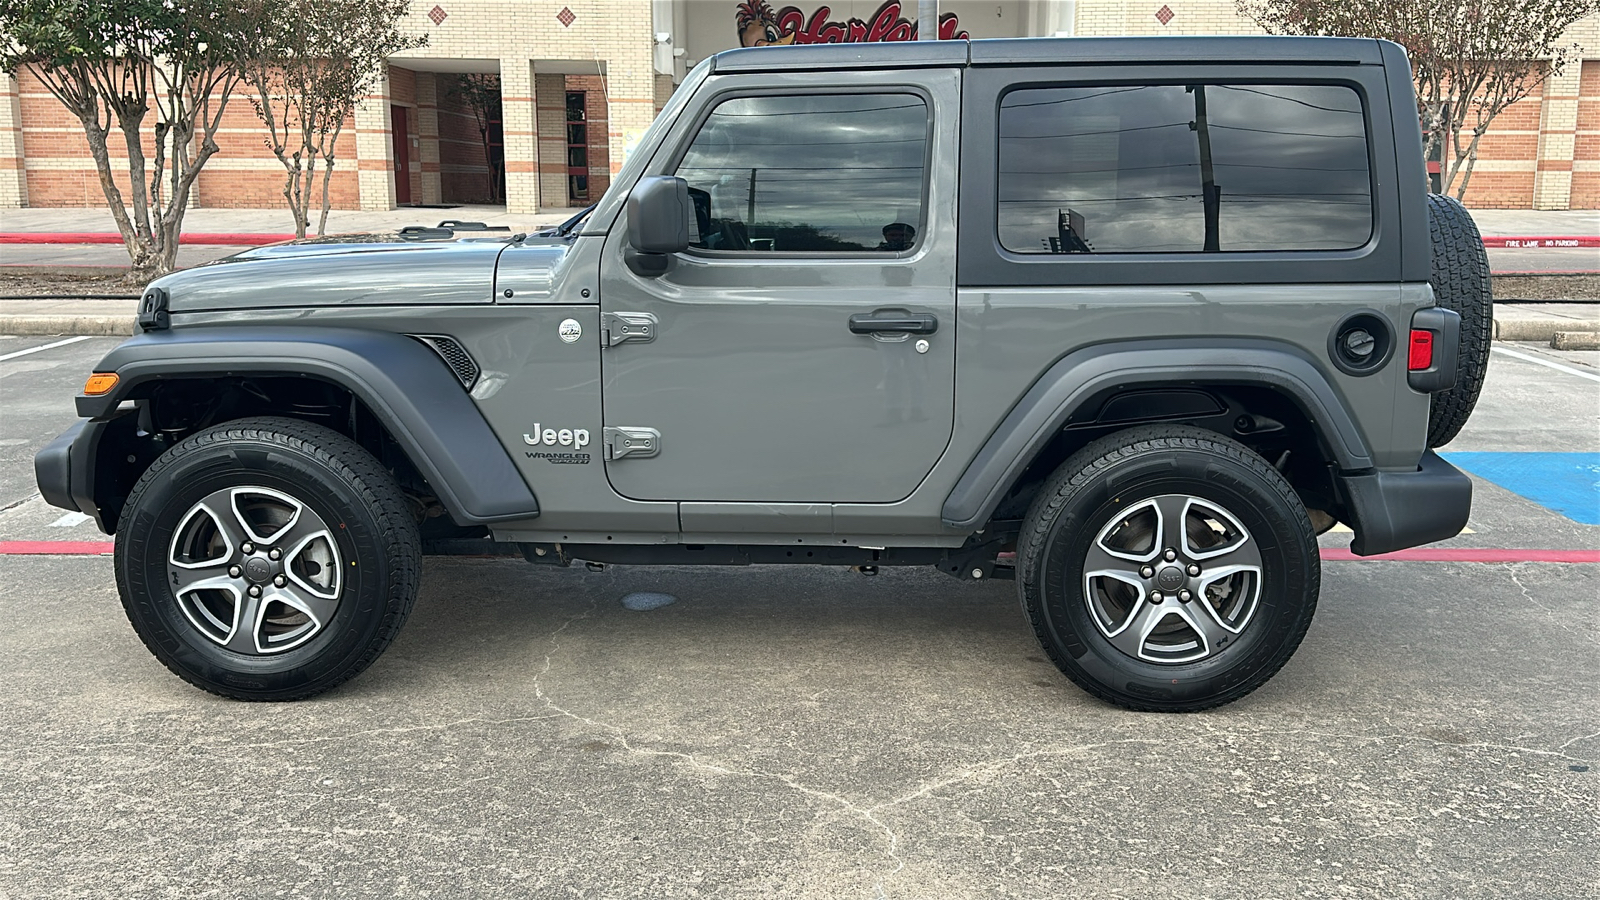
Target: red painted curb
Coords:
[(1467, 554), (1565, 242), (98, 237), (55, 548)]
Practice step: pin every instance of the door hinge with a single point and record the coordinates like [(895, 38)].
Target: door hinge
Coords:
[(640, 442), (621, 327)]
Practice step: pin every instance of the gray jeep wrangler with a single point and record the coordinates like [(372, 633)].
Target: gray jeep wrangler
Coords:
[(1128, 321)]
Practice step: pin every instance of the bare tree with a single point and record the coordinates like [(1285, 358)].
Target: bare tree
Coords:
[(114, 62), (309, 65), (481, 94), (1471, 60)]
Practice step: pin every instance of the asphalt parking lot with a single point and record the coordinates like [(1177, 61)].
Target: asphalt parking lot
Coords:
[(816, 733)]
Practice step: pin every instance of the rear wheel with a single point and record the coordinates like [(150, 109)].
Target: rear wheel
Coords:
[(1168, 569), (1460, 280), (267, 559)]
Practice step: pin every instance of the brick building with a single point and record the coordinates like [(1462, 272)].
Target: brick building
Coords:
[(580, 80)]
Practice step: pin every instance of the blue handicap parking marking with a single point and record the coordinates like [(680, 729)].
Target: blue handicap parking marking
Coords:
[(1568, 483)]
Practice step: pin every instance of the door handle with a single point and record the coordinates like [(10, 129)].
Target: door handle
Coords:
[(895, 322)]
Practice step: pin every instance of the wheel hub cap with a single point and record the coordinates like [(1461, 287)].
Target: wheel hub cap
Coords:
[(258, 570), (1170, 578)]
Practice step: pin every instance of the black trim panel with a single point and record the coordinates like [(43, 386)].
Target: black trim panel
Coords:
[(52, 468), (405, 384), (1411, 170), (1395, 510), (1044, 410)]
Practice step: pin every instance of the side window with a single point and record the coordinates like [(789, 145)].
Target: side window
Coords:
[(1183, 168), (827, 173)]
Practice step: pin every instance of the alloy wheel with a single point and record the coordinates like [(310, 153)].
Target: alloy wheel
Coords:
[(255, 570)]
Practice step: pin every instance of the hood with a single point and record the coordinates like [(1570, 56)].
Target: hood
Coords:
[(351, 270)]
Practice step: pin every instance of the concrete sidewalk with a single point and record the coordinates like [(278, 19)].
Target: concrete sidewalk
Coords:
[(278, 221)]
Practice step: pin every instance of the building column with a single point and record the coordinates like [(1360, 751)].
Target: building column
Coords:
[(13, 177), (374, 154), (550, 95), (520, 134), (631, 102), (428, 134), (1558, 138)]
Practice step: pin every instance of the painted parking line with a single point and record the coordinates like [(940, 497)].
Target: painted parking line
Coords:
[(71, 340), (1547, 363), (1568, 483)]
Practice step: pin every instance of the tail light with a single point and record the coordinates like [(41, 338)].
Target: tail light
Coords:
[(1431, 350), (1421, 355)]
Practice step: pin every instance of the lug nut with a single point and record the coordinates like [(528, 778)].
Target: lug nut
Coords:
[(274, 553), (280, 581), (247, 547), (1155, 597), (1185, 596), (255, 590), (1194, 570), (1147, 572), (235, 571), (1170, 555)]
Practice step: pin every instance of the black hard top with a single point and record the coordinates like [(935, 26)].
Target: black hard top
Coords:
[(1044, 51)]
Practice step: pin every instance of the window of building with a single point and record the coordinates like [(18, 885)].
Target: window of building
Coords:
[(834, 173), (1183, 168), (577, 147)]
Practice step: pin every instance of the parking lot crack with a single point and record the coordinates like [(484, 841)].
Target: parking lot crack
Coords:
[(694, 762), (1513, 570), (1584, 737)]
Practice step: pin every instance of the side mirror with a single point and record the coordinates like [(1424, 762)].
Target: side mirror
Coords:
[(659, 215)]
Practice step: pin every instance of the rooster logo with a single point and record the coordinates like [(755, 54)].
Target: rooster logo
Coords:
[(758, 25)]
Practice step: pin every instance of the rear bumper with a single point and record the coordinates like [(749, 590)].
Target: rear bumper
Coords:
[(1395, 510), (65, 468)]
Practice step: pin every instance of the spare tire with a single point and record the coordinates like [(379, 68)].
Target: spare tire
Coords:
[(1460, 279)]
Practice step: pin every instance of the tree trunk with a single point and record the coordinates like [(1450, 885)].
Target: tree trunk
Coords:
[(291, 194), (1472, 160), (142, 265), (327, 178)]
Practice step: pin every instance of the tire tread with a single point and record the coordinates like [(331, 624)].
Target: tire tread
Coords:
[(1459, 275)]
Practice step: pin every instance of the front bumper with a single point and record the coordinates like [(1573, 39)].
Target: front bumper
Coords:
[(1395, 510), (65, 470)]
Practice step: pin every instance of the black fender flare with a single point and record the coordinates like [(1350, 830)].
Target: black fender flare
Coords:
[(404, 383), (1080, 375)]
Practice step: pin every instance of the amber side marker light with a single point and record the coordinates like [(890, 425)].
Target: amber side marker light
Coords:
[(100, 383)]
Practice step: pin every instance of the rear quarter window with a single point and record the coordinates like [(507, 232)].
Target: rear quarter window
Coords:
[(1176, 168)]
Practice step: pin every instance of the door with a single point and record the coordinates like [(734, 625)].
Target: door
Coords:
[(402, 154), (803, 349)]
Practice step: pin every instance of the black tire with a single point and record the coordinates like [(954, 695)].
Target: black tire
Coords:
[(1108, 485), (349, 506), (1460, 279)]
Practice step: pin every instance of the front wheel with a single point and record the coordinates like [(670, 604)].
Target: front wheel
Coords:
[(1168, 569), (267, 559)]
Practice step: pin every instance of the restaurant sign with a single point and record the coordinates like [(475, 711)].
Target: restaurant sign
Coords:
[(759, 26)]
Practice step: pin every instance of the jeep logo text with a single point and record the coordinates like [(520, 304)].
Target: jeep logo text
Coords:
[(564, 437)]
